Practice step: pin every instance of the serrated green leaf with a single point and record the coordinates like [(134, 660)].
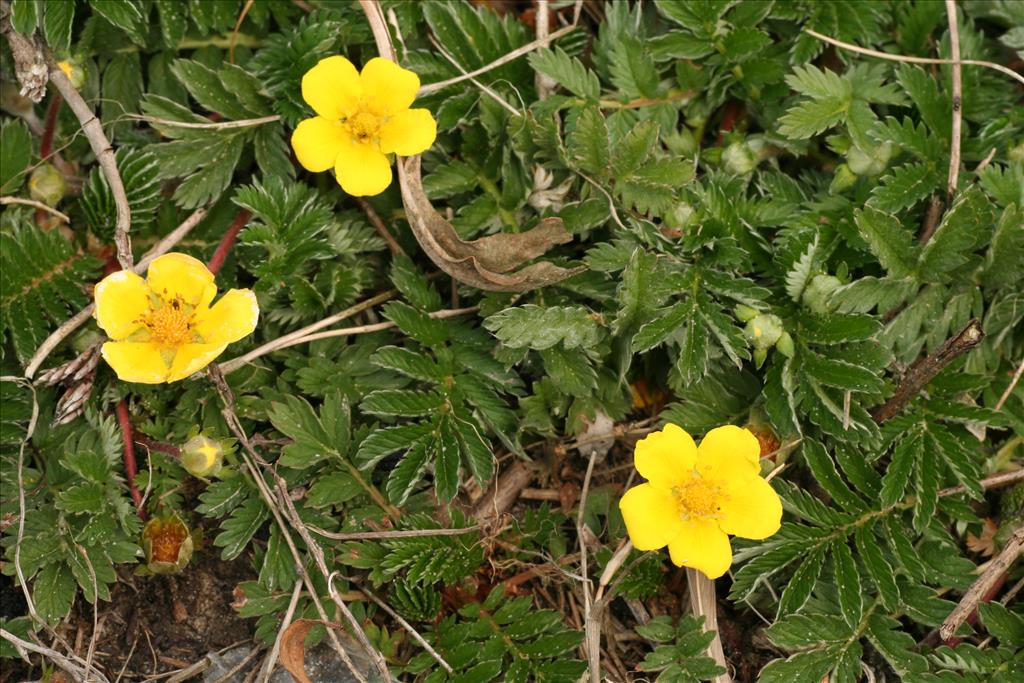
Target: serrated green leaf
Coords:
[(888, 240), (566, 71), (58, 16)]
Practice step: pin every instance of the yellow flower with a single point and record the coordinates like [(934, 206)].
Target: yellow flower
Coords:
[(362, 117), (163, 329), (695, 497)]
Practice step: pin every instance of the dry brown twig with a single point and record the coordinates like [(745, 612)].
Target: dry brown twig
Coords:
[(924, 371), (249, 457), (38, 205), (77, 320), (268, 664), (994, 572), (378, 224), (954, 153), (912, 60), (703, 603), (593, 636)]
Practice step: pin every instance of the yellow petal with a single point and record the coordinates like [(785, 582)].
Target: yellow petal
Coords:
[(703, 546), (729, 453), (387, 87), (136, 361), (180, 275), (362, 169), (316, 142), (666, 457), (122, 298), (408, 132), (191, 358), (651, 515), (750, 508), (332, 88), (230, 319)]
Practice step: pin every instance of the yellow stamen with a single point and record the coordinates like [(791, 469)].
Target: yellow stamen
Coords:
[(364, 126), (698, 498), (170, 325)]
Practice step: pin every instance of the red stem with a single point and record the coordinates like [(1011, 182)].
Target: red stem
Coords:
[(131, 469), (228, 241), (46, 145), (160, 446)]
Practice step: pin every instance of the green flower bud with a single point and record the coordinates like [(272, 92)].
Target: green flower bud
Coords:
[(167, 544), (842, 179), (47, 185), (819, 289), (763, 330), (682, 215), (74, 71), (785, 345), (869, 163), (759, 356), (202, 456), (745, 313), (739, 158)]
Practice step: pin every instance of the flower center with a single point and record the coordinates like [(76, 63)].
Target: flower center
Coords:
[(363, 126), (698, 499), (170, 325)]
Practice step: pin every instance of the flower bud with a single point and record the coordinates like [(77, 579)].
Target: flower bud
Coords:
[(842, 179), (202, 456), (785, 345), (745, 313), (739, 158), (819, 289), (46, 185), (763, 330), (869, 163), (167, 544), (74, 71)]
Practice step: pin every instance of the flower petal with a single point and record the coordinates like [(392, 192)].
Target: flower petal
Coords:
[(122, 298), (666, 457), (191, 358), (316, 142), (136, 361), (408, 132), (729, 452), (332, 88), (703, 546), (751, 508), (651, 515), (387, 87), (234, 316), (362, 169), (181, 275)]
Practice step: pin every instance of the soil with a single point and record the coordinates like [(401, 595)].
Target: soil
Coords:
[(163, 623)]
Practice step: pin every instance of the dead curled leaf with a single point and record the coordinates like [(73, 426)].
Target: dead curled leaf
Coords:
[(487, 263), (293, 648)]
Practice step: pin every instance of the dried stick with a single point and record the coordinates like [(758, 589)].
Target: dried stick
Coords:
[(38, 205), (1009, 389), (212, 125), (379, 226), (993, 482), (227, 242), (292, 340), (995, 572), (378, 535), (542, 41), (76, 321), (912, 60), (250, 457), (77, 671), (954, 153), (93, 130), (401, 622), (924, 371), (502, 493), (704, 604), (593, 636), (284, 340), (271, 660)]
